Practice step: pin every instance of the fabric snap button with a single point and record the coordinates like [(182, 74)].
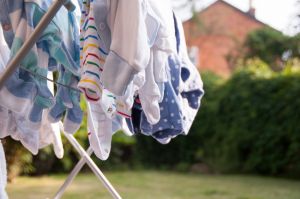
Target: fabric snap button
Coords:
[(6, 27), (102, 26)]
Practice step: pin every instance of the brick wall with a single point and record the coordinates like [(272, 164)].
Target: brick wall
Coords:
[(219, 32)]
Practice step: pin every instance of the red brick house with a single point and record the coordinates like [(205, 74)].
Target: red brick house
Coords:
[(219, 32)]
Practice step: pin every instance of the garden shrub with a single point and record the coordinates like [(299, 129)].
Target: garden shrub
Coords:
[(256, 128)]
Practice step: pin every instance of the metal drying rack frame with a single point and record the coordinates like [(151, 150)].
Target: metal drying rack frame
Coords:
[(13, 65)]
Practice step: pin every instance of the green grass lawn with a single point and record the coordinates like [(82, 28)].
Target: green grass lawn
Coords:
[(158, 185)]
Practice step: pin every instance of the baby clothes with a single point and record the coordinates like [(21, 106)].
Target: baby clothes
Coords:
[(106, 48), (165, 43), (101, 129), (3, 173), (67, 102), (181, 101), (170, 123), (162, 43), (57, 45), (15, 83), (50, 132), (20, 128), (34, 139), (129, 51), (135, 73), (150, 94), (130, 66), (94, 48), (191, 86), (4, 56), (95, 41)]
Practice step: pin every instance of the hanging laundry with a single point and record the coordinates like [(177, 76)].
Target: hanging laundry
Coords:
[(160, 21), (101, 129), (3, 173), (135, 74), (58, 45), (4, 56), (182, 95), (191, 84), (170, 123), (50, 132), (165, 42), (20, 128), (153, 96), (129, 51), (67, 102), (93, 52), (96, 40)]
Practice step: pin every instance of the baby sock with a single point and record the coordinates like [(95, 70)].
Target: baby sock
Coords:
[(100, 130), (72, 119), (3, 173), (160, 70), (50, 134), (93, 51), (3, 111), (108, 103), (74, 115), (67, 100), (150, 95), (170, 123), (57, 141), (3, 122), (29, 137), (43, 100)]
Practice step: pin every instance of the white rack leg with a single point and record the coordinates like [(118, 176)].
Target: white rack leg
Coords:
[(72, 175), (93, 166)]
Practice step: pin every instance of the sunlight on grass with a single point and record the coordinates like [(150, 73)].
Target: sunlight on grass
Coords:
[(158, 185)]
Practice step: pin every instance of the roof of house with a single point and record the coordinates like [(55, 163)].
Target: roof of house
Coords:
[(235, 8)]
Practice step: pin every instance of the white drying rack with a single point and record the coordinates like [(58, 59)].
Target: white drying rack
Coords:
[(13, 65)]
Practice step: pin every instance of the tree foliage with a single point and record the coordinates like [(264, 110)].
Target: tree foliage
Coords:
[(272, 46)]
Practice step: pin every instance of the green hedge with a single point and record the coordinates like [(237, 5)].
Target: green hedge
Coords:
[(257, 127)]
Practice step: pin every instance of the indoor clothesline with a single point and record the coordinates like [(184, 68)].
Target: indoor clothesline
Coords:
[(13, 65)]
